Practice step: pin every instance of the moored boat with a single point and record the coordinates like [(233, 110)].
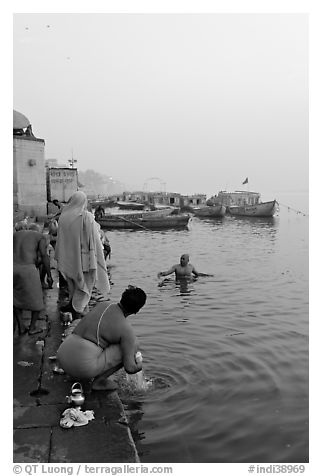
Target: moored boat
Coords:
[(245, 203), (211, 211), (263, 209), (134, 222), (130, 205), (158, 213), (103, 203), (145, 214)]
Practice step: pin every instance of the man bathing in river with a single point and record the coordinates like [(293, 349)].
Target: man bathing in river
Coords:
[(29, 250), (183, 270), (103, 342)]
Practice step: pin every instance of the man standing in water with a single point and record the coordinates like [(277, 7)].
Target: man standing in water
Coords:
[(183, 270)]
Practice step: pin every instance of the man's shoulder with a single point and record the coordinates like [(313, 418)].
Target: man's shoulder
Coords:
[(36, 239), (25, 235), (34, 233), (126, 330), (120, 328)]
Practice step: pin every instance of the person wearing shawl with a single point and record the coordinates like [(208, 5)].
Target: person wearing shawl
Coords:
[(79, 254)]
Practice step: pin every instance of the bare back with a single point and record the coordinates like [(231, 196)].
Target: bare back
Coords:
[(27, 246), (104, 325), (113, 327)]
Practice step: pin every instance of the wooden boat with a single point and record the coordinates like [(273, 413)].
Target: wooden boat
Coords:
[(211, 211), (146, 214), (159, 212), (245, 203), (130, 205), (263, 209), (135, 222), (103, 203)]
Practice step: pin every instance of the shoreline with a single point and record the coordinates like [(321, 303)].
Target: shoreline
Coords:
[(39, 398)]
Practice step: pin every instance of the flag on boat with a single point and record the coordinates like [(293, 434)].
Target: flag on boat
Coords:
[(245, 181)]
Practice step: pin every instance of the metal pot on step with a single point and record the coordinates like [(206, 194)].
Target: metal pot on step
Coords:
[(76, 397)]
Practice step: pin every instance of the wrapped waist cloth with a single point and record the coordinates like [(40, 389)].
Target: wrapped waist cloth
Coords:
[(27, 290), (81, 358)]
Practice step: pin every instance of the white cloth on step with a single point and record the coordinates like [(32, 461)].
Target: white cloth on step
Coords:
[(75, 417)]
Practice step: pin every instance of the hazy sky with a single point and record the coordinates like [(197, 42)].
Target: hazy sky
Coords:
[(199, 101)]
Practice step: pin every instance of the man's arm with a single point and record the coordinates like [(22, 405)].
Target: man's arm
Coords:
[(194, 271), (129, 348), (42, 247), (197, 273), (170, 271)]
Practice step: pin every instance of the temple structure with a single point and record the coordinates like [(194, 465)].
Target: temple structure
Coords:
[(29, 173)]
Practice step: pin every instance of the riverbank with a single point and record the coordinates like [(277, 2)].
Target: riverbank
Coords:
[(39, 398)]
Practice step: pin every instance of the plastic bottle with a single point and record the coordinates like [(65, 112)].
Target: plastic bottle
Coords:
[(138, 357), (137, 380), (139, 376)]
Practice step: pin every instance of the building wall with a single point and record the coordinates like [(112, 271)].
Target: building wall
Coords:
[(238, 198), (29, 175), (61, 183), (194, 200)]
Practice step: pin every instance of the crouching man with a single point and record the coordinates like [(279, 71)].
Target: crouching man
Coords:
[(103, 342)]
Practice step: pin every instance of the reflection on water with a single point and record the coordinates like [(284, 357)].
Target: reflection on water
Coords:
[(227, 355), (265, 227)]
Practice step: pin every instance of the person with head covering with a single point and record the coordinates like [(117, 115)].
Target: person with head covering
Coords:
[(79, 254), (103, 341)]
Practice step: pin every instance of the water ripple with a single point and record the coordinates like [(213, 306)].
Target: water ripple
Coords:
[(228, 354)]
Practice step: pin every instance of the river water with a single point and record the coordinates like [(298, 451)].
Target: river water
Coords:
[(228, 354)]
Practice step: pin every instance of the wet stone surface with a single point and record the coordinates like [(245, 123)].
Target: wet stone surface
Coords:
[(39, 399)]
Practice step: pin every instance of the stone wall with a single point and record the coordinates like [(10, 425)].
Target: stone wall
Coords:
[(29, 176)]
